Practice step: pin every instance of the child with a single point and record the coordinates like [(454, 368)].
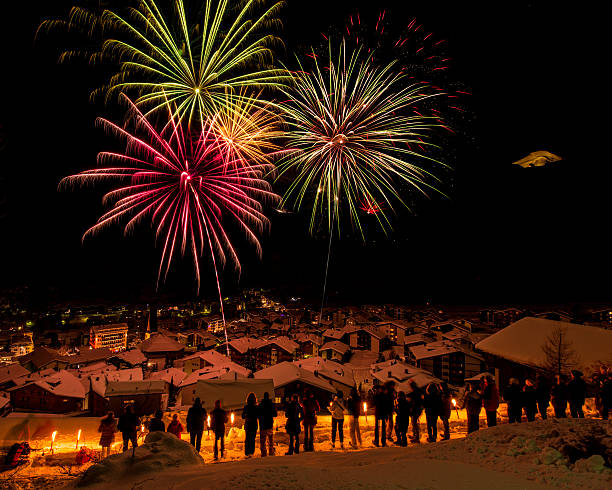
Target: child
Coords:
[(175, 427), (108, 427)]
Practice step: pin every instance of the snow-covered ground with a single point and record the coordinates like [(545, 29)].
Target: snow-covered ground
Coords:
[(528, 455)]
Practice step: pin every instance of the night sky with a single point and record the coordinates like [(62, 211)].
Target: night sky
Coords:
[(505, 234)]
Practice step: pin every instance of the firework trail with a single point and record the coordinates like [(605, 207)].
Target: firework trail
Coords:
[(185, 184), (355, 135), (200, 56)]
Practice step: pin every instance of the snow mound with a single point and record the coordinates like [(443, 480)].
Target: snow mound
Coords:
[(159, 452)]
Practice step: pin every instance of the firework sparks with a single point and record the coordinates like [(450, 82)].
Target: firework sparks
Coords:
[(354, 134), (185, 184), (191, 56)]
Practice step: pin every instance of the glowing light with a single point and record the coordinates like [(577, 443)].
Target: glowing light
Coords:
[(232, 418), (208, 421), (365, 407), (78, 439), (454, 402), (53, 439)]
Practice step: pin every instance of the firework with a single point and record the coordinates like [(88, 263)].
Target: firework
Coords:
[(182, 182), (192, 56), (355, 135)]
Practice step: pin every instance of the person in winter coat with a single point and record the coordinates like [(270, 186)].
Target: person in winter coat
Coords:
[(542, 395), (530, 400), (490, 400), (249, 414), (603, 391), (196, 416), (380, 416), (175, 427), (266, 413), (156, 424), (403, 419), (432, 402), (218, 419), (558, 397), (310, 408), (128, 425), (576, 394), (472, 402), (415, 400), (354, 409), (294, 415), (513, 396), (108, 427), (445, 411), (391, 396), (337, 409)]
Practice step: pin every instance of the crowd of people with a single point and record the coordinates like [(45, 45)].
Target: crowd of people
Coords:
[(394, 413)]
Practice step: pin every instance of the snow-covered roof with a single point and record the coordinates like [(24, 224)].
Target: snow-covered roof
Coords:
[(40, 357), (417, 338), (434, 349), (170, 375), (522, 342), (4, 402), (244, 344), (284, 343), (230, 369), (118, 388), (89, 355), (328, 369), (99, 381), (286, 372), (12, 371), (335, 346), (333, 333), (403, 374), (160, 343), (132, 357), (212, 357), (302, 338), (62, 383)]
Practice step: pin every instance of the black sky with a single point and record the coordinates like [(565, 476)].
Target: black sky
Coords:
[(505, 234)]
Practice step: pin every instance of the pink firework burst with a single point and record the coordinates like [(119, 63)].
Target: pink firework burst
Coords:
[(184, 184)]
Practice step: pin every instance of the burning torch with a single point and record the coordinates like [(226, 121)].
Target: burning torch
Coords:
[(53, 440), (78, 439), (232, 418), (455, 406), (208, 423)]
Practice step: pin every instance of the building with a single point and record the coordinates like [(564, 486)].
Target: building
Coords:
[(447, 361), (113, 337), (369, 338), (145, 396), (161, 351), (334, 350), (43, 358), (61, 392), (279, 349)]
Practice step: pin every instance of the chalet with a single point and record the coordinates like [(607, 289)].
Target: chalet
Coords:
[(289, 379), (369, 338), (395, 331), (43, 358), (502, 317), (447, 361), (340, 376), (309, 344), (244, 351), (62, 392), (401, 374), (161, 351), (278, 349), (10, 373), (334, 350), (197, 339), (95, 385), (87, 357), (128, 359), (517, 350), (415, 339), (230, 371), (145, 396)]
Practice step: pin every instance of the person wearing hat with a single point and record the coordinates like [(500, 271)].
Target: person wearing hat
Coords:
[(513, 395), (530, 400), (490, 400), (576, 391)]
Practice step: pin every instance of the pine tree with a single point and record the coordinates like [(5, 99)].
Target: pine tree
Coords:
[(559, 356)]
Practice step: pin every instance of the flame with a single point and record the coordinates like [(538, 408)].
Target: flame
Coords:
[(232, 417), (208, 421), (454, 402), (365, 407), (142, 428), (53, 436), (79, 435)]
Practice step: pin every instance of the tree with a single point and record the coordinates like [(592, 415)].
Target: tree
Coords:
[(559, 356)]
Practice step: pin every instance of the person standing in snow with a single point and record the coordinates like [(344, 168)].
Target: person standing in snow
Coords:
[(337, 409), (108, 427), (542, 395), (432, 402), (196, 416), (128, 425), (380, 416), (513, 396), (603, 391), (310, 408), (354, 409), (249, 414), (294, 415), (445, 412), (391, 396), (218, 419), (403, 419), (266, 414), (472, 402), (415, 400), (175, 427), (530, 400), (576, 394), (558, 395), (490, 400), (156, 424)]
